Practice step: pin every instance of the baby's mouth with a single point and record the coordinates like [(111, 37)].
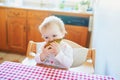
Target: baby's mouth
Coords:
[(56, 40)]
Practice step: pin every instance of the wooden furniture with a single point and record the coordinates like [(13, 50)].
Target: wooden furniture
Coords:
[(16, 27), (87, 66), (19, 26), (3, 32), (34, 19), (78, 34)]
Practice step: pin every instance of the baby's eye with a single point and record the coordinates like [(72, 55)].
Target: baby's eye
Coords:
[(46, 37), (54, 35)]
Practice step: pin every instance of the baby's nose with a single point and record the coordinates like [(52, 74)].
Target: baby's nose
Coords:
[(51, 39)]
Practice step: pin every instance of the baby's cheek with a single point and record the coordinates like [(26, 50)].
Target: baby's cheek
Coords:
[(64, 46)]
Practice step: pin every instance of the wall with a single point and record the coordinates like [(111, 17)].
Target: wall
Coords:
[(106, 37)]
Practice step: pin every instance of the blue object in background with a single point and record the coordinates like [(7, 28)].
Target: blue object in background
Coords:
[(73, 20)]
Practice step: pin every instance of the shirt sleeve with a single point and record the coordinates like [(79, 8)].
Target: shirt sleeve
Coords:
[(38, 52), (65, 56)]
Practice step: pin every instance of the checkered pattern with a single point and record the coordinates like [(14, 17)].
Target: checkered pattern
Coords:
[(17, 71)]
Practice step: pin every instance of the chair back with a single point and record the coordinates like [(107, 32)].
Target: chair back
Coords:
[(90, 52), (31, 49)]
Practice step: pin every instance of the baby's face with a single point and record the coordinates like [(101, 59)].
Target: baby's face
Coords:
[(51, 33)]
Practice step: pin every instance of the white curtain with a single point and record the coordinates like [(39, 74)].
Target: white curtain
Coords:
[(106, 37)]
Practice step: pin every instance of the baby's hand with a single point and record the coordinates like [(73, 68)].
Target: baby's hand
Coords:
[(44, 54), (55, 48)]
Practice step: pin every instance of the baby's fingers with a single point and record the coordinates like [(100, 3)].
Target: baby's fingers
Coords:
[(54, 44), (48, 47)]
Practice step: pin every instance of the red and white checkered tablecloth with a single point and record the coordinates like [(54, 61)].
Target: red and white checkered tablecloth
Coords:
[(17, 71)]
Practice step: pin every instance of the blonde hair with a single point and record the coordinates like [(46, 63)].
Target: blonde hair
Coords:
[(53, 19)]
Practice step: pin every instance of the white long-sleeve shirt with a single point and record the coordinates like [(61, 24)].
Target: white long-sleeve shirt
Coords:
[(63, 59)]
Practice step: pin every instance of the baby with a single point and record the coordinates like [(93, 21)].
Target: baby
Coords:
[(53, 51)]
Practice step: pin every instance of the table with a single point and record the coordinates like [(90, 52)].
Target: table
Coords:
[(18, 71)]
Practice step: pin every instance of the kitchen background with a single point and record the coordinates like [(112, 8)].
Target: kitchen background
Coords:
[(80, 5), (105, 36), (19, 21)]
